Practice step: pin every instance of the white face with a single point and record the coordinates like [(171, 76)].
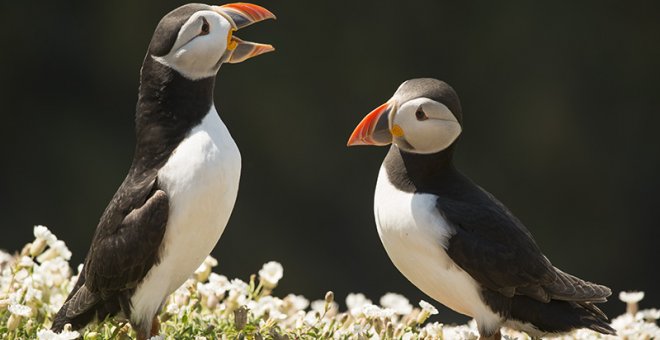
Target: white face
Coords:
[(424, 126), (200, 45)]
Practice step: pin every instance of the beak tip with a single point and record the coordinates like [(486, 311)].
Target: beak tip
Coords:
[(355, 139)]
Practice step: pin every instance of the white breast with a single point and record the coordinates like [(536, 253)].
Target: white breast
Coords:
[(415, 236), (201, 179)]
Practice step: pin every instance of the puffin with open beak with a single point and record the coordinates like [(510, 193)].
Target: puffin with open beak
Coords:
[(455, 241), (180, 190)]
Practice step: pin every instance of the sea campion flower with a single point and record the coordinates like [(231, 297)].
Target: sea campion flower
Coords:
[(427, 310), (323, 307), (43, 238), (293, 303), (18, 311), (270, 274), (398, 303), (202, 273), (355, 302), (631, 299), (650, 315), (47, 334), (57, 249), (32, 289), (372, 311)]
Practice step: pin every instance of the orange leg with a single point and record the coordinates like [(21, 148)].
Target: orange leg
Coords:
[(496, 336), (155, 326)]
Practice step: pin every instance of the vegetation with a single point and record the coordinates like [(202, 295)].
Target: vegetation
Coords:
[(35, 282)]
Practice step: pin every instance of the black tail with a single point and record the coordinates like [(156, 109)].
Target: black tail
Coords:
[(61, 319), (559, 316), (77, 322), (82, 307)]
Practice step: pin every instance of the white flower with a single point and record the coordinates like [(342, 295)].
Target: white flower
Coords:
[(434, 330), (373, 311), (203, 271), (396, 302), (42, 233), (238, 286), (267, 303), (157, 337), (270, 274), (26, 262), (43, 237), (650, 314), (319, 306), (57, 249), (55, 303), (631, 297), (408, 336), (294, 303), (20, 310), (237, 294), (51, 273), (428, 307), (32, 293), (47, 334), (62, 250), (459, 332), (4, 303), (311, 318), (355, 302)]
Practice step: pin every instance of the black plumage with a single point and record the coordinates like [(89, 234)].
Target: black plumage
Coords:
[(486, 240), (496, 249), (128, 238)]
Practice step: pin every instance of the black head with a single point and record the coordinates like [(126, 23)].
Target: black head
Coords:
[(433, 89), (423, 117), (169, 26), (195, 39)]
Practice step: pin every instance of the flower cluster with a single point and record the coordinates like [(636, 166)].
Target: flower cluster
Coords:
[(35, 282)]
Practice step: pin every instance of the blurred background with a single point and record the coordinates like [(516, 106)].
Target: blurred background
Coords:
[(561, 109)]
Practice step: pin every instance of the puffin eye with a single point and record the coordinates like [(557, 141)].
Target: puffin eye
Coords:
[(420, 115), (205, 27)]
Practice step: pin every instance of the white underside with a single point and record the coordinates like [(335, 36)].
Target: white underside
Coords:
[(415, 236), (201, 180)]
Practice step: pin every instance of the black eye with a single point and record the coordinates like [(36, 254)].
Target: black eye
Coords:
[(420, 115), (205, 27)]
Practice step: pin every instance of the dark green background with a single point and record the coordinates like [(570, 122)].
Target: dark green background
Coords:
[(561, 105)]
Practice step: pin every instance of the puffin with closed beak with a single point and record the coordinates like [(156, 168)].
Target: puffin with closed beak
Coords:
[(451, 238), (180, 190)]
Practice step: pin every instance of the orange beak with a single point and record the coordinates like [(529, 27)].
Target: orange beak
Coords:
[(373, 129), (241, 15)]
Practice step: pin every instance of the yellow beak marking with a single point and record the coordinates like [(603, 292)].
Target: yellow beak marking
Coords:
[(231, 42), (396, 131)]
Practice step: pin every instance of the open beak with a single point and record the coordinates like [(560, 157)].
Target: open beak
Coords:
[(241, 14), (374, 128)]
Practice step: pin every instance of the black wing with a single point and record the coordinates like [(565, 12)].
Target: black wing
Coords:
[(495, 248), (125, 246)]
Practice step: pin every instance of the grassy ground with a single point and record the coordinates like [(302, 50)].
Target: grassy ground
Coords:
[(35, 282)]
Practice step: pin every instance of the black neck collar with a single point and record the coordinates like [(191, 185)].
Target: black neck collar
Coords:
[(169, 106), (412, 172)]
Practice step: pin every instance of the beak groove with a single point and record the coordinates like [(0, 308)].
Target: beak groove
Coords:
[(246, 49), (244, 14), (373, 129)]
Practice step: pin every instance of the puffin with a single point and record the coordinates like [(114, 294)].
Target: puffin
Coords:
[(172, 207), (454, 240)]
